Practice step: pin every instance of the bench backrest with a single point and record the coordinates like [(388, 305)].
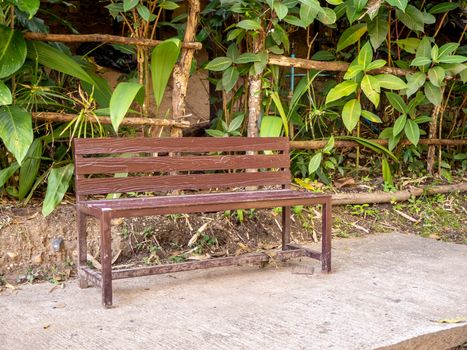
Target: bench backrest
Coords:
[(168, 164)]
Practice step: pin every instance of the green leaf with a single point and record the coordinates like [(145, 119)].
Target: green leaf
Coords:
[(371, 89), (433, 93), (351, 114), (308, 11), (58, 182), (327, 16), (277, 102), (341, 90), (329, 145), (420, 61), (353, 71), (315, 162), (12, 51), (281, 10), (371, 117), (5, 95), (168, 5), (399, 124), (443, 7), (29, 6), (247, 57), (129, 4), (163, 59), (413, 18), (30, 168), (376, 65), (144, 12), (397, 102), (295, 21), (378, 30), (271, 126), (121, 100), (6, 173), (447, 49), (219, 64), (422, 119), (400, 4), (249, 24), (434, 53), (412, 131), (452, 59), (359, 4), (410, 44), (387, 176), (436, 75), (16, 130), (391, 82), (414, 82), (229, 78), (351, 35), (365, 56)]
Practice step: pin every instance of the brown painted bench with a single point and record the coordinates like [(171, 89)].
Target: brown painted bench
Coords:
[(160, 166)]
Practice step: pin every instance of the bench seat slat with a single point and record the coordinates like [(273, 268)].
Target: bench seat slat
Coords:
[(184, 144), (90, 186), (100, 165), (206, 202)]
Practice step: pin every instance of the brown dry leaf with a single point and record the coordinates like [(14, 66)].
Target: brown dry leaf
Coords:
[(10, 286), (46, 326), (343, 182), (268, 246)]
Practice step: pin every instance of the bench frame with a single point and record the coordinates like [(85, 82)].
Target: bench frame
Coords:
[(171, 162)]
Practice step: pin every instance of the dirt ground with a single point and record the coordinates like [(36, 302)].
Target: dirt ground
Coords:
[(34, 248)]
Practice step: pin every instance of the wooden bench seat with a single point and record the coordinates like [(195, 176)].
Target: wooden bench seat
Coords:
[(160, 166)]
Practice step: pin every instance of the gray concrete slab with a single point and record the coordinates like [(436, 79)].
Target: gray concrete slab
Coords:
[(384, 289)]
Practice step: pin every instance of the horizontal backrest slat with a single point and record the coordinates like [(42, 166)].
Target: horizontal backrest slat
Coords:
[(112, 165), (182, 182), (184, 144)]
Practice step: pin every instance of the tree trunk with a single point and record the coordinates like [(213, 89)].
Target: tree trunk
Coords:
[(255, 93), (181, 73)]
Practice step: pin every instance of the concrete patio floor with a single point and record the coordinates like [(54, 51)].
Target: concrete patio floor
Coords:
[(385, 289)]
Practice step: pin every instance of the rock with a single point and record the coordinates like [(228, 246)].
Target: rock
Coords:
[(12, 255), (37, 259)]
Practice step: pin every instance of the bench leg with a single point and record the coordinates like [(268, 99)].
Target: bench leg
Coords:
[(326, 237), (285, 227), (106, 259), (82, 245)]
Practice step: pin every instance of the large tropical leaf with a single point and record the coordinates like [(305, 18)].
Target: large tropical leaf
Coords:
[(391, 82), (121, 100), (58, 182), (28, 6), (371, 145), (412, 131), (378, 30), (30, 168), (12, 51), (401, 4), (341, 90), (5, 95), (270, 126), (6, 173), (16, 130), (371, 88), (163, 60), (285, 121)]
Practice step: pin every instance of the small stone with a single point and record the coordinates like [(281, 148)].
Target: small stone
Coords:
[(12, 255), (37, 259)]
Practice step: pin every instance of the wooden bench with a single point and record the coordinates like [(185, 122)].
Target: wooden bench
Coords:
[(160, 166)]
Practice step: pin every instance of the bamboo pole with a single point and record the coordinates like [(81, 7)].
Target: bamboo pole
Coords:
[(313, 145), (399, 196), (104, 38), (132, 121)]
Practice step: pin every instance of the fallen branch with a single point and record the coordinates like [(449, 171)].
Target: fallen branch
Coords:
[(132, 121), (103, 38), (342, 144), (399, 196)]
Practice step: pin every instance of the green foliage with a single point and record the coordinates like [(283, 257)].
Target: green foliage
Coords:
[(121, 100)]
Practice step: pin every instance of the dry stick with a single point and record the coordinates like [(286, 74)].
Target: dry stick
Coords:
[(399, 196), (313, 145), (114, 39), (133, 121)]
